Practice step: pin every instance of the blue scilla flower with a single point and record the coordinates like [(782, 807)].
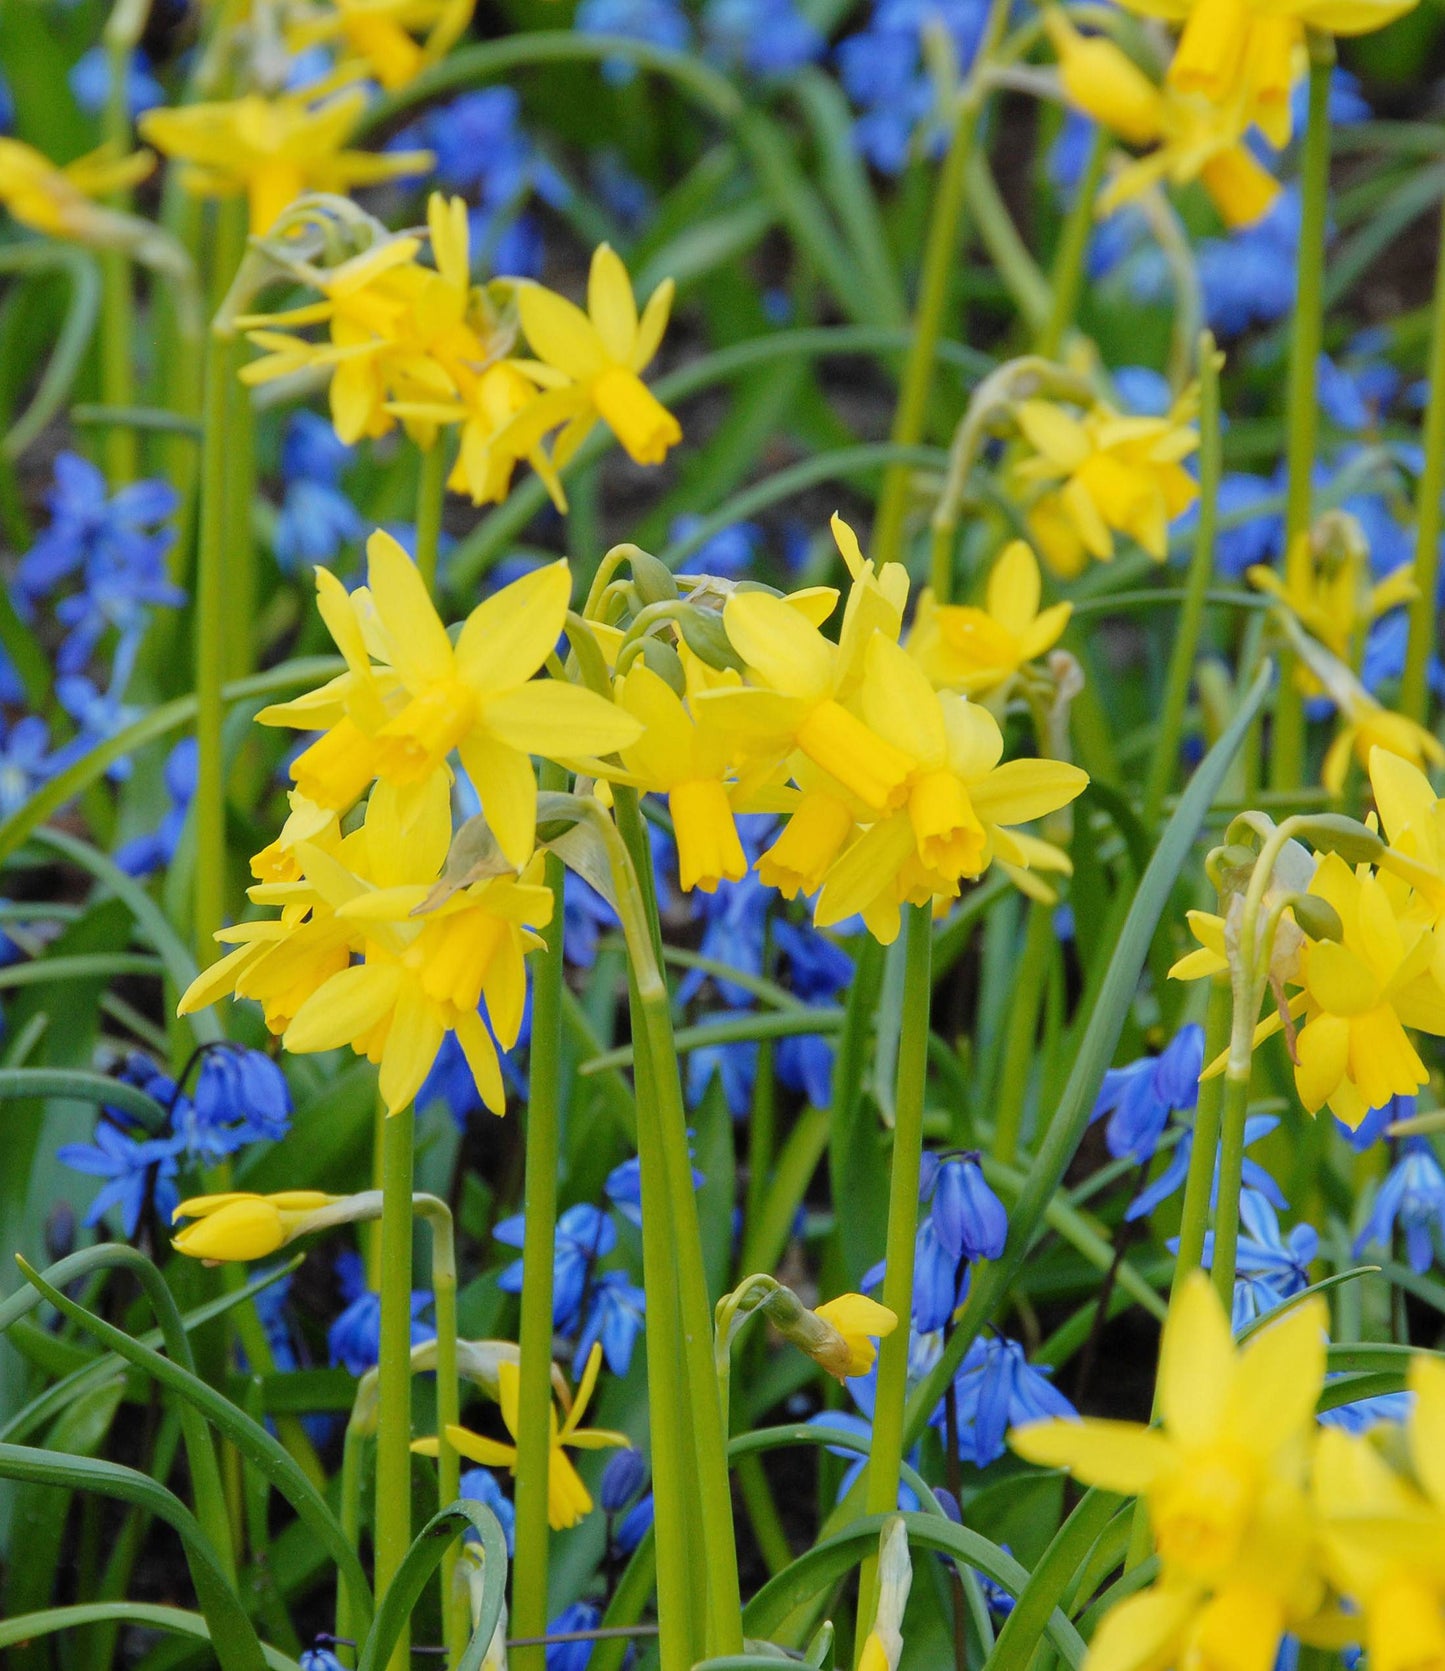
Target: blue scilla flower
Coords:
[(660, 22), (1412, 1198), (7, 107), (1174, 1174), (1139, 1098), (885, 75), (1142, 391), (135, 1170), (940, 1280), (449, 1079), (623, 1187), (142, 855), (1269, 1268), (733, 1065), (320, 1659), (622, 1478), (625, 195), (354, 1340), (1365, 1413), (1069, 153), (584, 1235), (764, 37), (139, 1070), (863, 1390), (1372, 1128), (1248, 278), (817, 971), (997, 1388), (634, 1525), (572, 1656), (245, 1089), (90, 82), (315, 523), (99, 715), (312, 451), (734, 921), (616, 1313), (479, 1485), (25, 761), (729, 553), (968, 1218)]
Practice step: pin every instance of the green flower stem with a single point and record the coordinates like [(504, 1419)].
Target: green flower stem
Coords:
[(1201, 571), (530, 1613), (350, 1515), (886, 1454), (1030, 977), (393, 1438), (662, 1125), (1231, 1169), (940, 260), (430, 496), (1302, 416), (1067, 277), (1199, 1185), (117, 378), (1424, 611), (455, 1610), (210, 651)]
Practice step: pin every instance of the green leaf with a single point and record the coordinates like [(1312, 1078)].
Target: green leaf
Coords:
[(420, 1562), (1096, 1049), (1042, 1595), (76, 1083), (175, 1621), (252, 1440), (72, 342), (233, 1637)]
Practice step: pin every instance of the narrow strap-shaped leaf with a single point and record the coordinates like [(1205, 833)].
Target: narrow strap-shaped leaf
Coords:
[(1052, 1576), (200, 1453), (420, 1562), (251, 1439), (232, 1635), (16, 1084), (175, 1621)]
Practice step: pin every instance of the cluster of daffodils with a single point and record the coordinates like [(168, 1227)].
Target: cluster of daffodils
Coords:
[(1265, 1522), (1232, 71), (426, 347), (388, 934), (1363, 959)]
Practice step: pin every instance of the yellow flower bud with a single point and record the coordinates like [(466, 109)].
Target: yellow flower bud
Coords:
[(239, 1227)]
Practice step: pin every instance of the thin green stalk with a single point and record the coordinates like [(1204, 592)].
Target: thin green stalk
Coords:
[(885, 1458), (1199, 1185), (1030, 977), (1231, 1168), (117, 376), (210, 650), (393, 1434), (240, 536), (1425, 610), (430, 495), (1067, 277), (940, 261), (1201, 569), (1302, 416), (667, 1127), (350, 1516), (530, 1613), (456, 1613)]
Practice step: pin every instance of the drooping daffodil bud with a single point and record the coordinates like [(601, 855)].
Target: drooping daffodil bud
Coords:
[(838, 1335), (237, 1227)]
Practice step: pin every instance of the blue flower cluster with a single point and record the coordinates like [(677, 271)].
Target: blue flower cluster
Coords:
[(1270, 1267), (241, 1097), (144, 854), (485, 154), (1140, 1098), (589, 1304), (316, 520), (353, 1341), (765, 38), (1412, 1200)]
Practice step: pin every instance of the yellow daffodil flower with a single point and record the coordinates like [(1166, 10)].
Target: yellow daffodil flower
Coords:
[(1192, 137), (819, 827), (381, 34), (1360, 993), (590, 364), (61, 202), (686, 759), (1336, 601), (961, 647), (477, 696), (1224, 1474), (239, 1227), (955, 797), (1367, 725), (1412, 818), (1104, 474), (272, 150), (568, 1500), (859, 1322), (1384, 1536), (424, 972)]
